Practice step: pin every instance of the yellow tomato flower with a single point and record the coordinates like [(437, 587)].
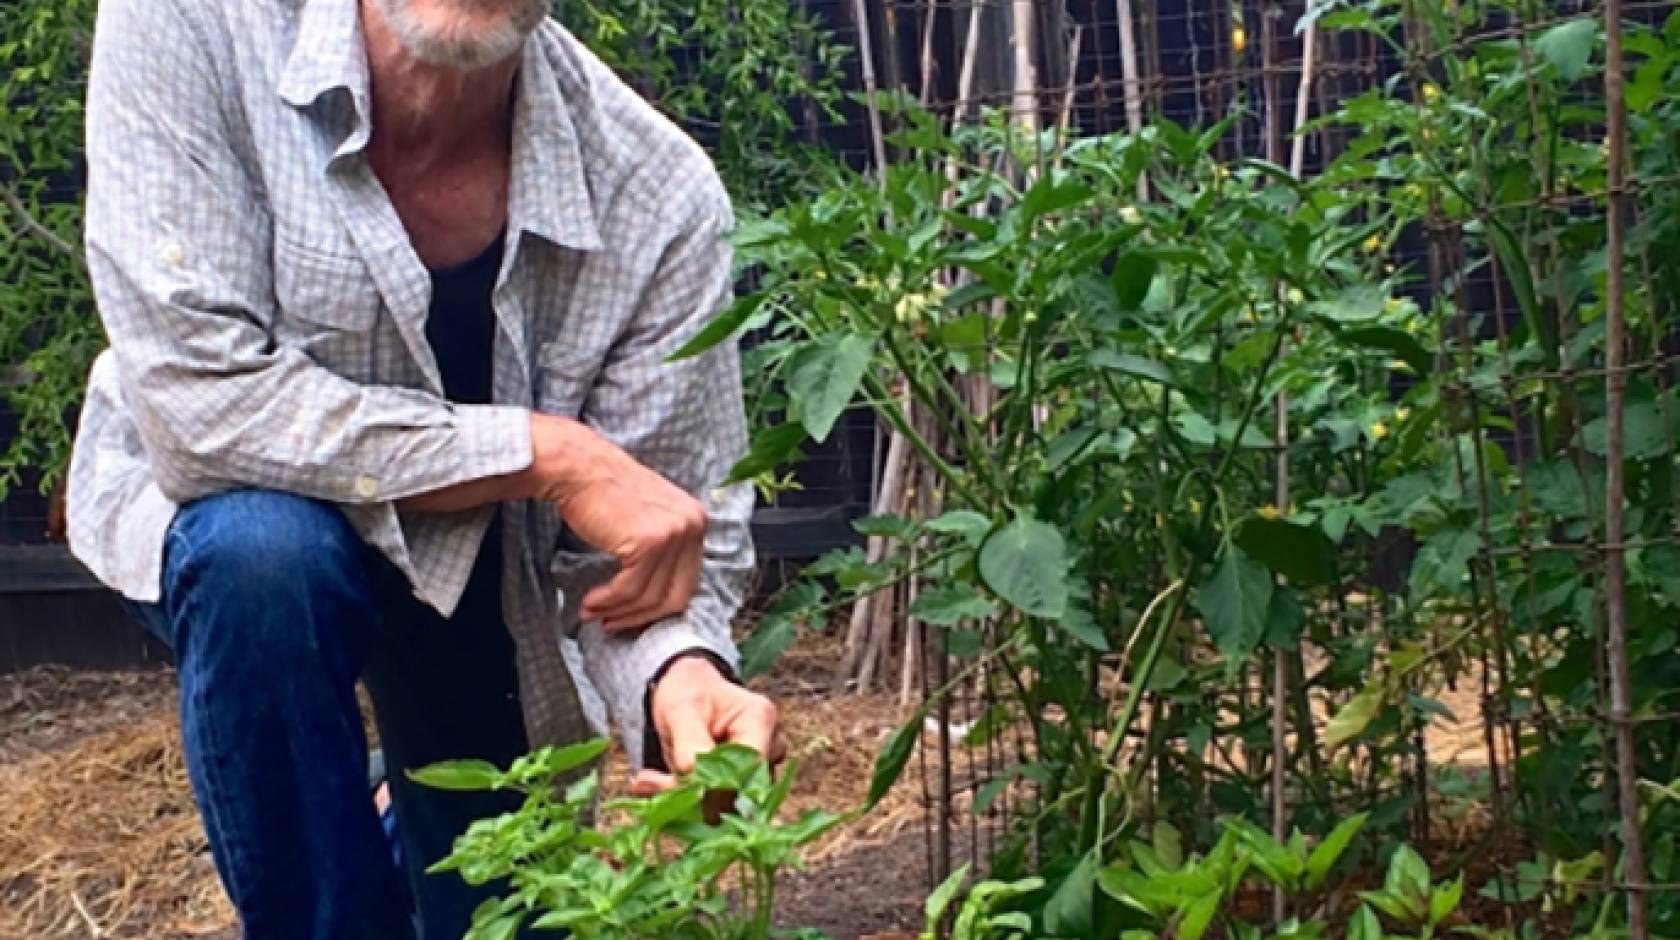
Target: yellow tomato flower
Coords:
[(1373, 243), (1130, 215), (1268, 511), (1378, 431), (1430, 92), (1401, 414), (1219, 171), (1294, 296)]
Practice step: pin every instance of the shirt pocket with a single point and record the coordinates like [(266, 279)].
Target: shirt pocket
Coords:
[(329, 309)]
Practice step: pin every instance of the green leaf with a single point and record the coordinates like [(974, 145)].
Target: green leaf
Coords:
[(1025, 563), (1284, 618), (1408, 875), (1300, 553), (1444, 900), (969, 524), (723, 327), (572, 756), (1569, 47), (1136, 366), (1365, 925), (889, 764), (1354, 717), (886, 526), (1325, 854), (1068, 912), (778, 628), (946, 605), (770, 449), (1359, 303), (458, 775), (1644, 433), (823, 376), (1233, 602), (940, 900), (1134, 272), (1078, 623), (1403, 345), (1197, 916), (1513, 263), (504, 927)]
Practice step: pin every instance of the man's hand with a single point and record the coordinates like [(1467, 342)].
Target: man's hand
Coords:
[(694, 709), (655, 529)]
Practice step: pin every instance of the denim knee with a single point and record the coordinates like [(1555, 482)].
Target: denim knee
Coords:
[(262, 557)]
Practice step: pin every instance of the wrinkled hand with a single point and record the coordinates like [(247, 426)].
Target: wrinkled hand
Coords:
[(695, 708), (655, 529)]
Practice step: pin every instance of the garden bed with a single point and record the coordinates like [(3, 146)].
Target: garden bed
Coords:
[(99, 837)]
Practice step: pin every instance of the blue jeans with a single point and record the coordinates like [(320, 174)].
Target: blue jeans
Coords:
[(274, 608)]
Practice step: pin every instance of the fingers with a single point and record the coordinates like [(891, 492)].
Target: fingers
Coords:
[(660, 572), (753, 723), (651, 783), (686, 737)]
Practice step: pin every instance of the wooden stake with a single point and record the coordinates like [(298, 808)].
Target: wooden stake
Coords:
[(1615, 566)]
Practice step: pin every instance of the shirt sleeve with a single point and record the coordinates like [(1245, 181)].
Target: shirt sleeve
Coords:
[(180, 251), (684, 419)]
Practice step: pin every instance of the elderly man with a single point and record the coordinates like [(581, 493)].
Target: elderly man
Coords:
[(391, 288)]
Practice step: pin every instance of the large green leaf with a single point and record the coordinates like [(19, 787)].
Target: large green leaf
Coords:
[(723, 327), (1025, 563), (1300, 553), (1353, 718), (1136, 366), (823, 376), (1644, 432), (1569, 47), (1233, 602), (771, 448), (1360, 303), (1326, 853), (1134, 272), (946, 605), (889, 763), (1068, 912)]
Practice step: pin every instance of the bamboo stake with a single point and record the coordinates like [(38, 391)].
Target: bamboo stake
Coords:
[(1129, 81), (1281, 658), (927, 51), (886, 499), (1627, 768), (866, 58), (1026, 73)]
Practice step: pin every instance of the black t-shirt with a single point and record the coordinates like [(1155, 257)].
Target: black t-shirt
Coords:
[(461, 327)]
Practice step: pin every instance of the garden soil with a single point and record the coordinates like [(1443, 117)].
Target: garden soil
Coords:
[(99, 837)]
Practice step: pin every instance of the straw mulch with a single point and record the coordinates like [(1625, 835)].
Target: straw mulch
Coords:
[(98, 833)]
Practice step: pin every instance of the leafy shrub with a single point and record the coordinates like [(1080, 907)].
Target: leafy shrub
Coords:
[(667, 872)]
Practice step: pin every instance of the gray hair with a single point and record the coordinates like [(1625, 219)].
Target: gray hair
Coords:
[(463, 46)]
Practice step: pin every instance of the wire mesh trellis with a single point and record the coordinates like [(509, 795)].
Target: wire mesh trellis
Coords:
[(1553, 358)]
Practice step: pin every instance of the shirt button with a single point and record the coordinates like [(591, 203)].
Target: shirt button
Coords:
[(174, 255), (367, 487)]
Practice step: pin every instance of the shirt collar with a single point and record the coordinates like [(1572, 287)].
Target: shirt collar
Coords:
[(548, 193)]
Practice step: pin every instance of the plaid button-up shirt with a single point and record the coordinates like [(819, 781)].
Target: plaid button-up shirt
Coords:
[(266, 313)]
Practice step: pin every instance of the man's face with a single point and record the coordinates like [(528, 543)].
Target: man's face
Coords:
[(463, 34)]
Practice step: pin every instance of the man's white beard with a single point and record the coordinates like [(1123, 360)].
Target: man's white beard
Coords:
[(468, 47)]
